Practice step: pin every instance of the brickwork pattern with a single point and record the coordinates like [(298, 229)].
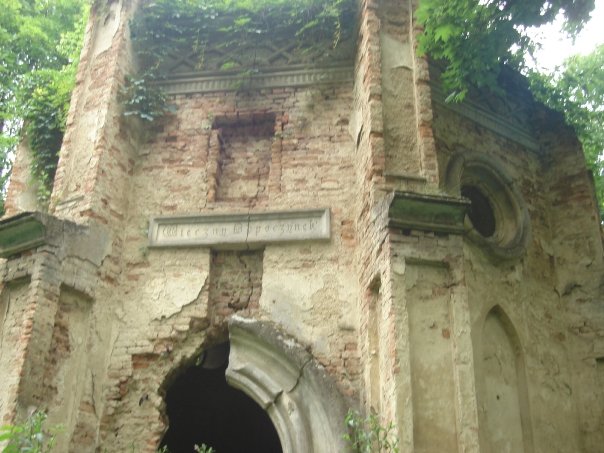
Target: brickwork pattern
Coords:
[(244, 157)]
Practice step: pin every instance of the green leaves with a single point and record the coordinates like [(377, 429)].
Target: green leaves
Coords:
[(203, 448), (444, 32), (577, 91), (367, 435), (166, 28), (143, 99), (39, 46), (28, 437), (44, 115), (475, 37)]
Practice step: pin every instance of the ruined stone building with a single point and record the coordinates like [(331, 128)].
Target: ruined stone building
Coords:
[(338, 234)]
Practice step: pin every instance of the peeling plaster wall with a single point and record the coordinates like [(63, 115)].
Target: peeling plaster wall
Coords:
[(22, 192), (13, 305), (432, 380), (529, 288), (176, 301), (500, 387), (400, 123), (67, 375), (576, 251)]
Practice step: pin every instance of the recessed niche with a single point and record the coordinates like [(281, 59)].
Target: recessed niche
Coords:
[(497, 219), (244, 157), (502, 390)]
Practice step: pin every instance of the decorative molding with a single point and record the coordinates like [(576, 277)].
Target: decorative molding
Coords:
[(22, 232), (489, 120), (234, 230), (190, 83), (280, 374), (488, 176), (260, 53), (435, 213), (29, 230)]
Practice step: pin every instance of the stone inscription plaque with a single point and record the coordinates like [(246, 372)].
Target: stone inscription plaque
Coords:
[(239, 229)]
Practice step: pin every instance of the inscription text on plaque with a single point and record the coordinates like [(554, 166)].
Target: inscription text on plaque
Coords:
[(233, 229)]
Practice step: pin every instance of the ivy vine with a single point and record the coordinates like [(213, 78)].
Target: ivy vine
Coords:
[(40, 43), (45, 115), (165, 28)]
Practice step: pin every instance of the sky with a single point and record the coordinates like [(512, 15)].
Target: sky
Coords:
[(556, 47)]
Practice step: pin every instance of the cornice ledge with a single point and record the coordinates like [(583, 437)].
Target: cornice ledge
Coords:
[(285, 77), (432, 213), (27, 231), (487, 119)]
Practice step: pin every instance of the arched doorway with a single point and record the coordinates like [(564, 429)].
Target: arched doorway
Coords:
[(203, 409)]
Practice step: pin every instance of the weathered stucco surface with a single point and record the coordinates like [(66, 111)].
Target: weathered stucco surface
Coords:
[(465, 341)]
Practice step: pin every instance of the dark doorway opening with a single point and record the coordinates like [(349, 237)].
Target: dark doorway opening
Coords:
[(203, 409)]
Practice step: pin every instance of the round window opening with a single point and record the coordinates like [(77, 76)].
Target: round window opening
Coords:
[(480, 211), (497, 218)]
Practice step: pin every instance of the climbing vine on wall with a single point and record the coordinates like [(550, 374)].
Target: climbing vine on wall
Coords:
[(45, 113), (40, 42), (164, 28)]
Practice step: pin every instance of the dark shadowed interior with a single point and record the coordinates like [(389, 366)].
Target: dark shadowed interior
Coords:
[(203, 409), (480, 212)]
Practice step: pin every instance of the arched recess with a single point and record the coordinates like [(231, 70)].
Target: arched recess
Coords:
[(504, 413), (281, 376)]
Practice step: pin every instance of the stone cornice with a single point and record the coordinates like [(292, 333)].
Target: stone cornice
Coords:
[(190, 83), (23, 232), (30, 230), (433, 213), (489, 120)]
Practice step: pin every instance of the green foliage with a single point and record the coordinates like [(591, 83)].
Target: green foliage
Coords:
[(28, 437), (39, 47), (203, 448), (142, 98), (166, 28), (44, 115), (475, 37), (577, 90), (367, 435)]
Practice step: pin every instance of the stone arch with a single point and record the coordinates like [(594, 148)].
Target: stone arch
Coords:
[(504, 415), (282, 377), (272, 368)]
